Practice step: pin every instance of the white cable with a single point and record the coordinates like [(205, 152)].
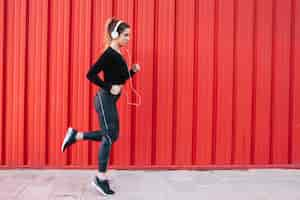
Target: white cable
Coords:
[(131, 86)]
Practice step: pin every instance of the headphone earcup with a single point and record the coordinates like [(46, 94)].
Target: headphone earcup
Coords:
[(114, 35)]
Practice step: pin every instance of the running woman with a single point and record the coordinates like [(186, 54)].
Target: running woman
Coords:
[(116, 73)]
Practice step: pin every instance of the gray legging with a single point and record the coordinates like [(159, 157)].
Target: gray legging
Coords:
[(105, 105)]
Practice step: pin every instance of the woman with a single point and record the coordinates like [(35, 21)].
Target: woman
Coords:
[(116, 73)]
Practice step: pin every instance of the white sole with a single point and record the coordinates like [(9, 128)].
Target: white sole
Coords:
[(98, 189), (67, 137)]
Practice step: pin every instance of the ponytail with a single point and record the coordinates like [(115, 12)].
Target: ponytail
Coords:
[(108, 24)]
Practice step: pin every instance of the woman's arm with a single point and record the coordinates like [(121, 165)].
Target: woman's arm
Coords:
[(132, 73), (92, 74), (135, 68)]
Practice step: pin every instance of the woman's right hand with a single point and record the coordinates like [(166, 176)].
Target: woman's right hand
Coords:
[(115, 89)]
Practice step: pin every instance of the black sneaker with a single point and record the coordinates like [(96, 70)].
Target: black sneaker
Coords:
[(102, 186), (69, 139)]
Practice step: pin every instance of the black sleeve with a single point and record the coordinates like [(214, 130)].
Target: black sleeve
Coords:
[(92, 74), (132, 73)]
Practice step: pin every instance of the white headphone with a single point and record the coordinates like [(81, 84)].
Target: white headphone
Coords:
[(114, 34)]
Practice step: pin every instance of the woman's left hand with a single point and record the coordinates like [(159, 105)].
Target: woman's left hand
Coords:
[(136, 67)]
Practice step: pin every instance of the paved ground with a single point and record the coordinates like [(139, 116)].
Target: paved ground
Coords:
[(268, 184)]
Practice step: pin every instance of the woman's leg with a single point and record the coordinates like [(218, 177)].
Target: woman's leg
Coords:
[(91, 135), (109, 124), (109, 121), (72, 136), (98, 134)]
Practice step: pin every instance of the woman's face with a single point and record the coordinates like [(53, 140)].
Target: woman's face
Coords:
[(124, 37)]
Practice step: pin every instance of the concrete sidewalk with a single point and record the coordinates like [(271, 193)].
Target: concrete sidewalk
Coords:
[(271, 184)]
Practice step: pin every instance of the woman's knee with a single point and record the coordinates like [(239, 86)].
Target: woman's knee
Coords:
[(114, 134)]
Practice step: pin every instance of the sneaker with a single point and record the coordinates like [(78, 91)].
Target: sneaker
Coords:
[(69, 139), (109, 189), (102, 186)]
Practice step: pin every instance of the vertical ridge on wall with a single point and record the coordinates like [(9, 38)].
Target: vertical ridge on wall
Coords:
[(25, 133), (47, 87), (195, 81), (262, 95), (70, 71), (44, 83), (9, 101), (23, 84), (295, 157), (58, 93), (53, 19), (243, 83), (144, 37), (51, 101), (15, 82), (132, 110), (225, 81), (235, 78), (2, 79), (205, 78), (164, 71), (89, 156), (281, 82), (154, 85), (75, 81), (80, 93), (184, 90), (25, 146), (8, 83), (174, 94), (37, 82), (254, 82), (215, 81), (86, 21), (272, 86), (291, 83)]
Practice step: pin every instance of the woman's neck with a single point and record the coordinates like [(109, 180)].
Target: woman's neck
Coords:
[(115, 46)]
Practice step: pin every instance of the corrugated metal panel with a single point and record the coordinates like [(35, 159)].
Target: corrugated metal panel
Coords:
[(220, 83)]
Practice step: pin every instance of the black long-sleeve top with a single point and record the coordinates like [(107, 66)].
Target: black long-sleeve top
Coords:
[(114, 68)]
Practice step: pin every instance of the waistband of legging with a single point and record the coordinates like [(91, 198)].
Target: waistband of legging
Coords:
[(103, 91)]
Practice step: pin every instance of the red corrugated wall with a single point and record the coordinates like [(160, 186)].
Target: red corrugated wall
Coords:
[(220, 83)]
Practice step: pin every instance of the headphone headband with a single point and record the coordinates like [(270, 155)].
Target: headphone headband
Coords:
[(114, 33), (117, 25)]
